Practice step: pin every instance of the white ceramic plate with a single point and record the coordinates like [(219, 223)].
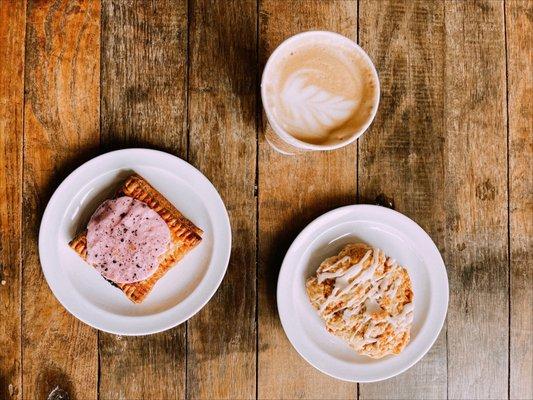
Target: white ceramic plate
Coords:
[(400, 238), (182, 292)]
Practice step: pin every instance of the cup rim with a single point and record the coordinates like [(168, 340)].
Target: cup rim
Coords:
[(300, 144)]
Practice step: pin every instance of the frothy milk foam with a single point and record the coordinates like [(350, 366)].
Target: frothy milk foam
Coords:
[(320, 90)]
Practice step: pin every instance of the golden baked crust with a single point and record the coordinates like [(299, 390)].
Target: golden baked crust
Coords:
[(184, 235), (371, 307)]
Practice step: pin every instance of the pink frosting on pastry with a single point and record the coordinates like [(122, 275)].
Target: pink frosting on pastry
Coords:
[(125, 239)]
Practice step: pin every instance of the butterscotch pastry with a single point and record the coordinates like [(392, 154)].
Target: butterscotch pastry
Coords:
[(365, 298), (135, 238)]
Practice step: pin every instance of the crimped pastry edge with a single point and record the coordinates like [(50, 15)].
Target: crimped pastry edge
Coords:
[(184, 235)]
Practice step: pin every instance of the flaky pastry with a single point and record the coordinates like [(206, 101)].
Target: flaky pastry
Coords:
[(184, 235), (365, 298)]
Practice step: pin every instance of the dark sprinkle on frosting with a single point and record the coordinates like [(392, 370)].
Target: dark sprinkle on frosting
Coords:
[(122, 253)]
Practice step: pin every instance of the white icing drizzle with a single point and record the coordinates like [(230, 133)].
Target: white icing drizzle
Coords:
[(342, 284), (404, 318), (328, 275), (358, 288)]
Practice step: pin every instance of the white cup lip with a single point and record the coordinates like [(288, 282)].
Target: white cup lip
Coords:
[(300, 144)]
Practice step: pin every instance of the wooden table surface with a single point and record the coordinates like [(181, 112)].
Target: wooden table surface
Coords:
[(452, 145)]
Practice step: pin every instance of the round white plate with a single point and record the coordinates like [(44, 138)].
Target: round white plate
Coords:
[(400, 238), (176, 297)]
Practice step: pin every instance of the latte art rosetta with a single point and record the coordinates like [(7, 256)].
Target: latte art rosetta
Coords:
[(313, 109), (320, 89)]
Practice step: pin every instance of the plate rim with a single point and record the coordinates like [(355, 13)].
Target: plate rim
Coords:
[(157, 153), (360, 208)]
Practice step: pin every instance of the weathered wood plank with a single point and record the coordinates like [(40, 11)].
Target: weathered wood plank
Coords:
[(519, 22), (144, 58), (402, 155), (144, 105), (61, 125), (476, 245), (11, 137), (292, 192), (222, 121)]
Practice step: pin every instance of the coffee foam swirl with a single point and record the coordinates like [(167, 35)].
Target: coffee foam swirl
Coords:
[(320, 91), (311, 108)]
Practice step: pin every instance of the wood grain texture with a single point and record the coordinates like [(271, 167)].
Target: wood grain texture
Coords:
[(222, 123), (144, 105), (439, 146), (12, 33), (519, 23), (476, 241), (402, 155), (292, 192), (61, 122), (144, 58)]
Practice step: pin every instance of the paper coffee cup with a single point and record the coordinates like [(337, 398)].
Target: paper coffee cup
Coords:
[(320, 91)]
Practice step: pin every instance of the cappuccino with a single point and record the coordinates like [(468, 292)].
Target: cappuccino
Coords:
[(321, 89)]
